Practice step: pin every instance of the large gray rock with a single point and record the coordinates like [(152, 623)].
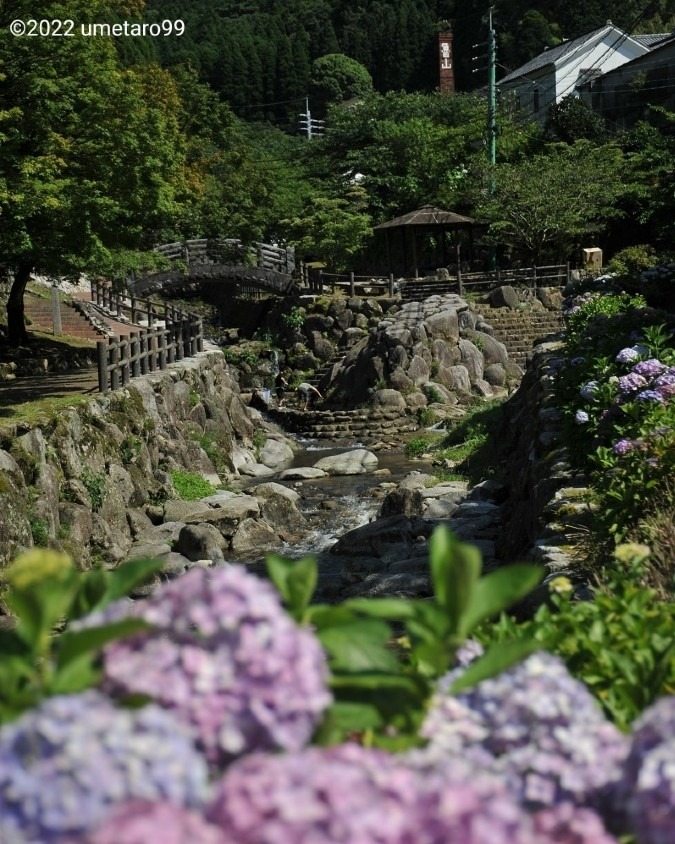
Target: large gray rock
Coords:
[(408, 502), (390, 399), (302, 473), (276, 455), (472, 359), (504, 297), (456, 378), (418, 370), (359, 461), (381, 536), (201, 542), (278, 507), (229, 515), (443, 325), (495, 375), (254, 535)]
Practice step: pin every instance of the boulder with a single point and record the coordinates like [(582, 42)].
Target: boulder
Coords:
[(199, 542), (390, 399), (276, 455), (408, 502), (302, 473), (495, 374), (359, 461), (472, 359), (418, 370), (443, 325), (504, 297), (253, 535)]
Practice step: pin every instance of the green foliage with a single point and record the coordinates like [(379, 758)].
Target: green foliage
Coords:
[(239, 356), (259, 439), (39, 531), (381, 683), (469, 444), (621, 644), (433, 394), (194, 398), (96, 484), (293, 319), (190, 486), (633, 259), (571, 120), (583, 184), (37, 657), (417, 447), (130, 448), (335, 78)]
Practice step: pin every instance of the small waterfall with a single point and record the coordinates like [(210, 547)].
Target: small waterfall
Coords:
[(274, 358)]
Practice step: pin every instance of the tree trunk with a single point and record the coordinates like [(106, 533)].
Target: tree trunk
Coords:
[(16, 325)]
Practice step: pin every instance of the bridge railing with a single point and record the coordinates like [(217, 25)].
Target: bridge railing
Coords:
[(169, 334), (230, 251)]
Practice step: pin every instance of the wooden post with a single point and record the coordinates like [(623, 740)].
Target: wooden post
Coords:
[(56, 309), (152, 350), (124, 359), (185, 320), (391, 284), (321, 281), (534, 278), (134, 310), (133, 354), (567, 273), (102, 362), (178, 338), (151, 315), (200, 334), (114, 362), (144, 351), (458, 259), (352, 289), (162, 348)]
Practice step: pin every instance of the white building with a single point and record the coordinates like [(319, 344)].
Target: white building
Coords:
[(560, 70)]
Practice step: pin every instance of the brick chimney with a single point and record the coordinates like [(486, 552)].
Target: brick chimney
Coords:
[(446, 64)]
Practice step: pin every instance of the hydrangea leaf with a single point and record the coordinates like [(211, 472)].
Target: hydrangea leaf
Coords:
[(359, 645), (495, 660), (295, 580), (497, 591), (455, 570)]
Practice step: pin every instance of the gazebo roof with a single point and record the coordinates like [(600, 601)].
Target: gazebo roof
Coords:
[(427, 217)]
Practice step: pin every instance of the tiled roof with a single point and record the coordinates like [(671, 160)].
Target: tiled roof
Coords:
[(652, 39)]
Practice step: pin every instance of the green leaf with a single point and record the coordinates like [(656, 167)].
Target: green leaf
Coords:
[(455, 570), (295, 581), (72, 644), (78, 674), (497, 591), (395, 609), (495, 660), (349, 716), (359, 645), (375, 681)]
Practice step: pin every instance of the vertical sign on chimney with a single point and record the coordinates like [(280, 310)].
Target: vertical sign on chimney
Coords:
[(446, 70)]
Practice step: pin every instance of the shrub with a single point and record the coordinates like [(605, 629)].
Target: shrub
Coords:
[(417, 446), (96, 484), (190, 486)]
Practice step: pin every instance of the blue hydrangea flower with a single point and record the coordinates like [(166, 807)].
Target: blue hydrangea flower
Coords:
[(67, 763), (627, 356), (578, 361), (624, 446), (651, 802), (581, 417), (650, 396), (589, 390), (227, 660)]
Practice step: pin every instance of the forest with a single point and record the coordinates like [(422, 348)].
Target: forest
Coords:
[(108, 150)]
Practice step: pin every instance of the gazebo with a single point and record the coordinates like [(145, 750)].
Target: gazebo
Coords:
[(426, 219)]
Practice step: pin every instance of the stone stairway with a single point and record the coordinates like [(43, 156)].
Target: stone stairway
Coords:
[(344, 424), (316, 379), (73, 323), (518, 330)]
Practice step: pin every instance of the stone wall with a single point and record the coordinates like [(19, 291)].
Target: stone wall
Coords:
[(546, 511), (78, 479)]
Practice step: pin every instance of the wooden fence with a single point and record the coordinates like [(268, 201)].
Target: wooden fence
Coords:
[(319, 281), (171, 334), (554, 275)]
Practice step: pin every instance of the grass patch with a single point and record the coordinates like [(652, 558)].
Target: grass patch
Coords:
[(467, 452), (191, 487), (40, 410)]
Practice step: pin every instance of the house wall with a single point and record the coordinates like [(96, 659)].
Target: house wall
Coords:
[(624, 96)]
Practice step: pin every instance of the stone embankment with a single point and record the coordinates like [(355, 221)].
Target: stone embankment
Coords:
[(354, 425)]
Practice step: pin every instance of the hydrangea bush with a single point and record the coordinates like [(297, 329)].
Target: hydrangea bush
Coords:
[(225, 658), (507, 754)]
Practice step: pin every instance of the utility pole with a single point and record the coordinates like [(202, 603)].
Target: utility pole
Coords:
[(309, 126), (492, 121)]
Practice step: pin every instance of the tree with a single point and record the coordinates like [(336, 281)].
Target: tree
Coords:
[(92, 166), (543, 207), (336, 78), (572, 120)]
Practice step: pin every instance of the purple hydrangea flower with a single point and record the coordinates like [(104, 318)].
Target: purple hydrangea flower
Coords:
[(538, 693), (649, 368), (651, 803), (627, 356), (67, 763), (226, 658), (650, 396), (665, 380), (581, 764), (567, 824), (581, 417), (631, 382), (578, 361), (589, 390), (348, 794), (142, 822), (468, 651), (624, 446), (655, 726)]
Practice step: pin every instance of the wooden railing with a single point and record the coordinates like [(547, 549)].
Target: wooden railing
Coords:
[(319, 281), (230, 251), (554, 275), (171, 334)]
